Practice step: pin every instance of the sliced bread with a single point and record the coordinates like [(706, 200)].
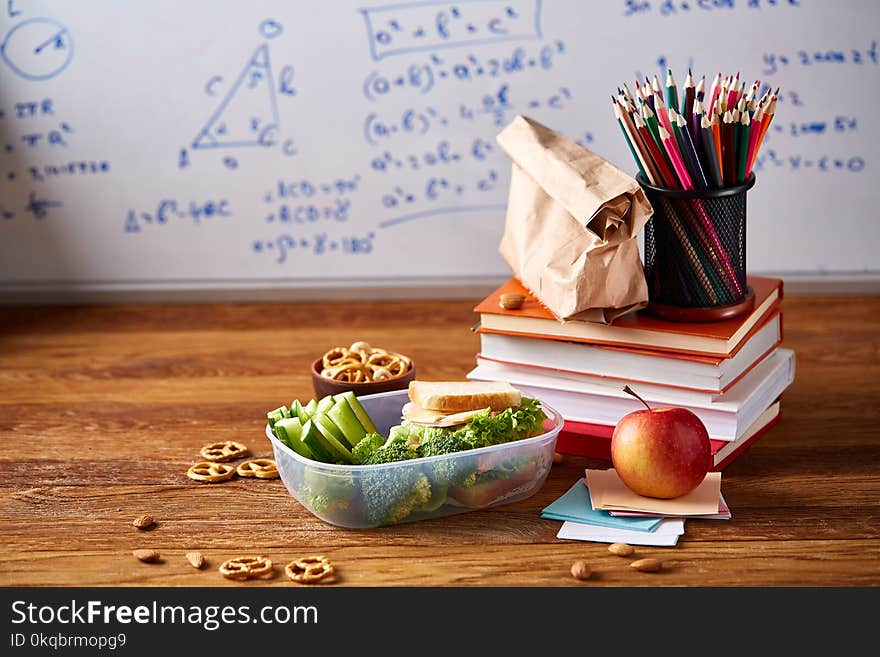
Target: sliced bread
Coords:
[(459, 396)]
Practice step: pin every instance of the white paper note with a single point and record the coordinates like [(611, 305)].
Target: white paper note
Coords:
[(667, 533)]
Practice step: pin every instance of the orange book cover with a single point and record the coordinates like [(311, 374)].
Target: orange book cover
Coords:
[(635, 331)]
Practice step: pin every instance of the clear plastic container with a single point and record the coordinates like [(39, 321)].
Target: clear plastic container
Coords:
[(361, 496)]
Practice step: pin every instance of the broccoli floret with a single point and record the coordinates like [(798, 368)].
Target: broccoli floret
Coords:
[(448, 472), (391, 453), (323, 504), (446, 443), (392, 495), (327, 493), (366, 446)]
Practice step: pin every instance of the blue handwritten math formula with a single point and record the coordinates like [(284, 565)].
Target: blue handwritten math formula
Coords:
[(285, 245), (424, 76), (302, 201), (170, 211), (685, 7), (421, 26)]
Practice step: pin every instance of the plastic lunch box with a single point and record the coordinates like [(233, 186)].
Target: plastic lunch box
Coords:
[(508, 472)]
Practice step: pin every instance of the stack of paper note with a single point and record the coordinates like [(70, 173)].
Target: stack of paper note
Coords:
[(601, 508)]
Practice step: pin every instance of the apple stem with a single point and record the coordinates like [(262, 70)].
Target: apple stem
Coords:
[(630, 391)]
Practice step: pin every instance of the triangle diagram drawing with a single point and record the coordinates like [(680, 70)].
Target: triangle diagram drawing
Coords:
[(248, 113)]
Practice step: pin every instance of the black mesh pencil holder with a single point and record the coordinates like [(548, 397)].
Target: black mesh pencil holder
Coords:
[(695, 253)]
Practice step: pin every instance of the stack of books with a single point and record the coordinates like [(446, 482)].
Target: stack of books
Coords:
[(730, 373)]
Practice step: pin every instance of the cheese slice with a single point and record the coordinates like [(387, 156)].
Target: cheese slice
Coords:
[(417, 415)]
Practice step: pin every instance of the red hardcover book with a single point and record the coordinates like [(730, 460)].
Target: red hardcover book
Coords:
[(637, 330), (594, 440)]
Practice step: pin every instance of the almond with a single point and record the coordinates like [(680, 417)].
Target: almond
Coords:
[(647, 565), (512, 301), (581, 570), (196, 560), (621, 549), (143, 521), (558, 458), (147, 556)]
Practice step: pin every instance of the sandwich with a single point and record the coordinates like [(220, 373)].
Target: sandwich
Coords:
[(453, 403), (481, 413)]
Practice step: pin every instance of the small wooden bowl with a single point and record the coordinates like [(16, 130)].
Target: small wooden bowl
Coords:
[(324, 386)]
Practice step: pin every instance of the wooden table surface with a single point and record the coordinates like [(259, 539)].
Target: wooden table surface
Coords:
[(103, 409)]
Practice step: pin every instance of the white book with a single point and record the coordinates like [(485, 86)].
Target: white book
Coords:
[(727, 416), (596, 362)]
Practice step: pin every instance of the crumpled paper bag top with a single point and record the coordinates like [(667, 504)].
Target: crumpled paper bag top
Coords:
[(572, 219)]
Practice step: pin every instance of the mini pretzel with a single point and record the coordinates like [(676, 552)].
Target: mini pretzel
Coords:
[(394, 363), (227, 450), (259, 468), (309, 570), (210, 472), (351, 372), (243, 568), (334, 357)]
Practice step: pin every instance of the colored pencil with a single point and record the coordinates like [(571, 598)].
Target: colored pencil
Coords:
[(732, 92), (701, 89), (754, 133), (742, 149), (713, 92), (716, 135), (769, 113), (666, 175), (635, 143), (688, 95), (711, 157), (694, 119), (629, 142), (671, 91), (726, 146), (691, 152), (677, 163), (651, 122)]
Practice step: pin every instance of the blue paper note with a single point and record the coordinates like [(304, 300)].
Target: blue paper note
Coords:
[(574, 505)]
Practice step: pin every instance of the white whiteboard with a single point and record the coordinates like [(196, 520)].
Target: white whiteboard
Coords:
[(170, 145)]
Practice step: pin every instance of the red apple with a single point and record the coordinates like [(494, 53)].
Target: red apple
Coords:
[(661, 452)]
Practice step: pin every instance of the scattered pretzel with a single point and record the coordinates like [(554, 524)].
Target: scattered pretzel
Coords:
[(242, 568), (309, 570), (210, 473), (259, 468), (226, 450)]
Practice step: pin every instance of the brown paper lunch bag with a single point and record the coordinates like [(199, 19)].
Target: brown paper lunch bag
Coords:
[(571, 226)]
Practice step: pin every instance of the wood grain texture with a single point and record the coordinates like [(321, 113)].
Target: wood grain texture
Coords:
[(102, 409)]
